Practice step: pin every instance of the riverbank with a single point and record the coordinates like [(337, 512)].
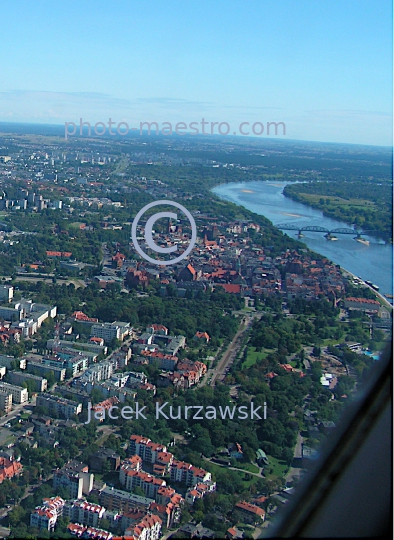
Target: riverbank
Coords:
[(348, 202), (373, 262), (380, 297)]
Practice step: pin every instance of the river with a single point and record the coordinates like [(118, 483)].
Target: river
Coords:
[(372, 262)]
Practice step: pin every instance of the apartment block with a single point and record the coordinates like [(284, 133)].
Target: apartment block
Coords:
[(11, 313), (186, 473), (98, 372), (122, 501), (6, 293), (145, 448), (44, 517), (42, 369), (83, 512), (8, 361), (19, 394), (148, 483), (93, 533), (75, 477), (18, 378), (133, 463), (5, 401), (59, 406), (164, 361), (109, 331), (147, 528)]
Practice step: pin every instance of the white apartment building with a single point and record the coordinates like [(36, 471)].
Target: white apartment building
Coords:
[(5, 401), (133, 463), (148, 483), (98, 372), (149, 528), (75, 477), (44, 517), (6, 292), (19, 394), (145, 448), (109, 331), (80, 511)]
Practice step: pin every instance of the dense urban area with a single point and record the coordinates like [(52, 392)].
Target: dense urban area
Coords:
[(251, 320)]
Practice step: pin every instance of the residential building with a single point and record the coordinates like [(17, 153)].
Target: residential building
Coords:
[(42, 369), (9, 467), (45, 517), (133, 463), (8, 361), (149, 528), (103, 456), (188, 474), (122, 501), (364, 304), (93, 533), (75, 477), (167, 362), (199, 491), (68, 359), (16, 377), (148, 483), (81, 511), (59, 406), (5, 401), (11, 313), (19, 394), (145, 448), (98, 372), (109, 331), (250, 512), (6, 292)]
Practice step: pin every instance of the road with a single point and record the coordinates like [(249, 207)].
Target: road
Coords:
[(231, 352), (296, 471), (17, 409), (378, 294)]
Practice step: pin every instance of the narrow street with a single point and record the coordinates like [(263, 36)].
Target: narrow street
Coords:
[(296, 471)]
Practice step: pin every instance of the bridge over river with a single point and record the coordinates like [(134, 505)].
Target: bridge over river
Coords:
[(329, 234)]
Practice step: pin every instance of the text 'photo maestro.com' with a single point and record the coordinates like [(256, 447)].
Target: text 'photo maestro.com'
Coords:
[(196, 269)]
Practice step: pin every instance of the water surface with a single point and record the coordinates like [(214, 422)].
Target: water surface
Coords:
[(372, 262)]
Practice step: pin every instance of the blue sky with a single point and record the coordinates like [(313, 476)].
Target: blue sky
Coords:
[(324, 67)]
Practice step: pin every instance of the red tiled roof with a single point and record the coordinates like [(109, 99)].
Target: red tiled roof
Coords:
[(252, 508), (363, 300), (230, 287)]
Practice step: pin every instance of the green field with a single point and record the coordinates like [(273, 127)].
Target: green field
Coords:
[(248, 467), (278, 466), (253, 356), (214, 468)]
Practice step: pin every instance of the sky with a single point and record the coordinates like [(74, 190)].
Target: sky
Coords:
[(322, 67)]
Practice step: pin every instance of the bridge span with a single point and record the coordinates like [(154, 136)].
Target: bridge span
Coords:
[(327, 233)]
